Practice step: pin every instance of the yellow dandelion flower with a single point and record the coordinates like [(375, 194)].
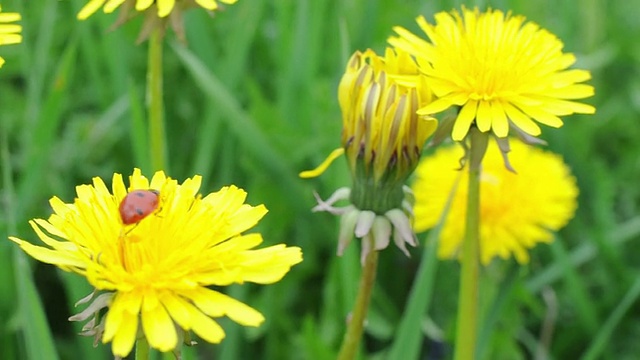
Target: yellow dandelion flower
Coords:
[(153, 275), (9, 33), (382, 138), (517, 211), (162, 7), (501, 71), (158, 15)]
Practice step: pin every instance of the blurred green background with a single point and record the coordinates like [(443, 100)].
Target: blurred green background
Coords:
[(251, 100)]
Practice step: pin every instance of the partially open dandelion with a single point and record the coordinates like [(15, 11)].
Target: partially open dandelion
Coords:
[(9, 33), (151, 276), (517, 211), (382, 137), (158, 14), (502, 72)]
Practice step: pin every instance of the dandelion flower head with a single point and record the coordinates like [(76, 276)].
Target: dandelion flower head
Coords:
[(382, 138), (501, 71), (379, 97), (153, 276), (162, 7), (517, 210)]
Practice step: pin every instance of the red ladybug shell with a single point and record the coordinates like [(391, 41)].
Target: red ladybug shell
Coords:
[(137, 205)]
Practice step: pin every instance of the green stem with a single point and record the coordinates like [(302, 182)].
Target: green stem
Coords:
[(349, 348), (467, 331), (154, 98), (142, 349)]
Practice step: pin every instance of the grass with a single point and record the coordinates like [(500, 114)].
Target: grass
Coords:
[(251, 100)]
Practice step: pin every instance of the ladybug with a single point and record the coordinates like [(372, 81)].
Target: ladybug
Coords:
[(138, 204)]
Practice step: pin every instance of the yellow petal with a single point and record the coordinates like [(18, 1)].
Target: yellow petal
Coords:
[(165, 7), (580, 108), (542, 116), (125, 337), (244, 219), (50, 256), (569, 77), (121, 323), (118, 188), (215, 304), (157, 325), (142, 5), (57, 245), (111, 5), (521, 120), (575, 91), (269, 265), (239, 243), (178, 309), (10, 17), (464, 120), (91, 7), (484, 116), (159, 180), (325, 164), (205, 327), (137, 180), (7, 29), (500, 124), (436, 106), (208, 4)]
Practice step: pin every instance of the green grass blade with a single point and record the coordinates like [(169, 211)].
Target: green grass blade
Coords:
[(139, 140), (600, 341), (77, 287), (585, 252), (241, 124), (408, 339), (38, 60), (38, 341), (576, 287), (45, 131), (496, 309)]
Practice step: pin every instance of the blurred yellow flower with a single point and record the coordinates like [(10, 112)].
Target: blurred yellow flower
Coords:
[(153, 275), (517, 211), (382, 138), (158, 14), (9, 33), (500, 71), (162, 7)]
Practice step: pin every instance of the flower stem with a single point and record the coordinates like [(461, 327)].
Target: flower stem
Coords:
[(154, 98), (142, 349), (349, 348), (467, 331)]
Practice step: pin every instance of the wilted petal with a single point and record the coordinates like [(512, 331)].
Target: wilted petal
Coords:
[(381, 233), (347, 227), (340, 194), (101, 302), (364, 223), (402, 224)]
